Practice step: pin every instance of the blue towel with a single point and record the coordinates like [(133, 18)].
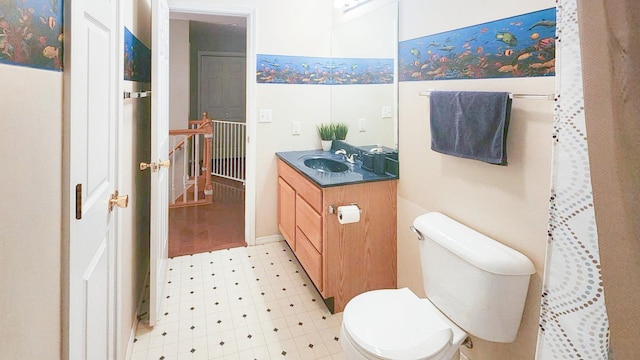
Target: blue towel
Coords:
[(471, 124)]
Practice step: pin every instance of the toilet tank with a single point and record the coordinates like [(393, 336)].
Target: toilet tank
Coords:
[(477, 282)]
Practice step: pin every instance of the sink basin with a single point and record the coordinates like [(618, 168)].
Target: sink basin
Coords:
[(326, 165)]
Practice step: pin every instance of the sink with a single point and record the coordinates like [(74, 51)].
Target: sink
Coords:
[(326, 165)]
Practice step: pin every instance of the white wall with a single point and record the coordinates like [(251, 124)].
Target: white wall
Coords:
[(290, 27), (179, 57), (134, 147), (308, 104), (179, 74), (30, 213), (509, 204), (372, 34), (31, 253), (350, 103)]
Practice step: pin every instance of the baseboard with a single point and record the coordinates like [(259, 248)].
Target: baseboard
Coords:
[(132, 336), (136, 317), (268, 239)]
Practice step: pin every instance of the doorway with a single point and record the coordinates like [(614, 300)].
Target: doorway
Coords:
[(228, 221)]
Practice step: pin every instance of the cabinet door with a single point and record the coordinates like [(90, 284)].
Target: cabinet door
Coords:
[(310, 259), (287, 212)]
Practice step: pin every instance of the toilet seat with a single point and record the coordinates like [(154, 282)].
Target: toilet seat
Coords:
[(396, 324)]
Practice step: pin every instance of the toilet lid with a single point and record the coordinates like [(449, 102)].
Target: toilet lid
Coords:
[(396, 324)]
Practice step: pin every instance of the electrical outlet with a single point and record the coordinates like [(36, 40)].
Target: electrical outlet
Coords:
[(295, 128), (362, 125), (265, 116), (387, 112)]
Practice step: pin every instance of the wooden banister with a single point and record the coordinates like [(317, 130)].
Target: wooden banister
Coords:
[(190, 132), (201, 130), (204, 129)]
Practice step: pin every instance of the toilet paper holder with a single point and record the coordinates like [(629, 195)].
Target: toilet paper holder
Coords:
[(333, 209)]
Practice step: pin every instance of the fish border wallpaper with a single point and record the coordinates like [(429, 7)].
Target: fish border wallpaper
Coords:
[(31, 33), (284, 69), (518, 46), (137, 58)]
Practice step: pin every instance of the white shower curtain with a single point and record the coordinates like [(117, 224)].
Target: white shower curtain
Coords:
[(573, 318)]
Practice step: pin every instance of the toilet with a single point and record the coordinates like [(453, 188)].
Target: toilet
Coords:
[(474, 285)]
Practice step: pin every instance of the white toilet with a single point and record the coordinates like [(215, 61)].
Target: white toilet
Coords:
[(474, 285)]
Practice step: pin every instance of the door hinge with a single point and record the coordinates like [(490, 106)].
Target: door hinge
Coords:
[(78, 201)]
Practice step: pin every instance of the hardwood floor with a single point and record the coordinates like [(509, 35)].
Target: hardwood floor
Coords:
[(206, 228)]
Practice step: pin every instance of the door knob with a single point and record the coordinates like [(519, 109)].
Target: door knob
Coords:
[(121, 201), (144, 166), (164, 164), (155, 166)]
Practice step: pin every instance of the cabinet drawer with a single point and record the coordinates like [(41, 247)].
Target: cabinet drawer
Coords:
[(310, 259), (310, 222), (305, 188)]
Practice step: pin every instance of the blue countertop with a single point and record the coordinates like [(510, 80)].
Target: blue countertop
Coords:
[(354, 175)]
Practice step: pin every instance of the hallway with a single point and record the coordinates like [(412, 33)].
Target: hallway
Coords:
[(212, 227)]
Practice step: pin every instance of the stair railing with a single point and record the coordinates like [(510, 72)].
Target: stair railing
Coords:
[(191, 148)]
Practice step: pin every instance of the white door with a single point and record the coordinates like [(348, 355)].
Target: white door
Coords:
[(92, 113), (159, 153), (221, 90)]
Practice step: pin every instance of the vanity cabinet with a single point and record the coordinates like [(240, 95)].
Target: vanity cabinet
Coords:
[(342, 260)]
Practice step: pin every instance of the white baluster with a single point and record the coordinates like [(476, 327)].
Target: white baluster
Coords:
[(185, 169), (196, 163), (172, 178)]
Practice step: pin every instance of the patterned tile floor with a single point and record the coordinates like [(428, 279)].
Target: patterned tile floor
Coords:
[(242, 303)]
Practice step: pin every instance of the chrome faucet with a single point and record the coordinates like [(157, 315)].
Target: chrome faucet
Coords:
[(350, 158)]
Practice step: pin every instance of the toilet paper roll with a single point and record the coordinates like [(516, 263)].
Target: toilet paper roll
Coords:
[(348, 214)]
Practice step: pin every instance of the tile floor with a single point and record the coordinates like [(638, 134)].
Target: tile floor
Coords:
[(241, 303)]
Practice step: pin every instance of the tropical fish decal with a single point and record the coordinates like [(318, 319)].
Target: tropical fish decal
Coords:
[(282, 69), (507, 38), (519, 46), (137, 59), (31, 33), (547, 23)]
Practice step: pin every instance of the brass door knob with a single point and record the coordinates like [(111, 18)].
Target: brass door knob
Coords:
[(121, 201), (165, 164), (144, 166)]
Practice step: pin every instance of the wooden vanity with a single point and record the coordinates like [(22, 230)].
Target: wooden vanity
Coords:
[(341, 260)]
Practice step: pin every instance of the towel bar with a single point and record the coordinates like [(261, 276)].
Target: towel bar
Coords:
[(512, 96), (136, 94)]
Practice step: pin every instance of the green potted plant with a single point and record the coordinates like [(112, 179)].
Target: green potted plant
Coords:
[(326, 132), (341, 130)]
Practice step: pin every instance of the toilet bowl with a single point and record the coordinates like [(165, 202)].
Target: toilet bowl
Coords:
[(396, 324), (472, 282)]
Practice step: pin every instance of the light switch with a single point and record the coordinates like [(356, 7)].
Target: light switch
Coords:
[(362, 125), (387, 112), (295, 128), (265, 116)]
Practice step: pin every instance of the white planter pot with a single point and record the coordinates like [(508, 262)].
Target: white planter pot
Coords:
[(326, 144)]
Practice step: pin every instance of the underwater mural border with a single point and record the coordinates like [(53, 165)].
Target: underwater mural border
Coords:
[(137, 58), (31, 33), (287, 69), (518, 46)]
